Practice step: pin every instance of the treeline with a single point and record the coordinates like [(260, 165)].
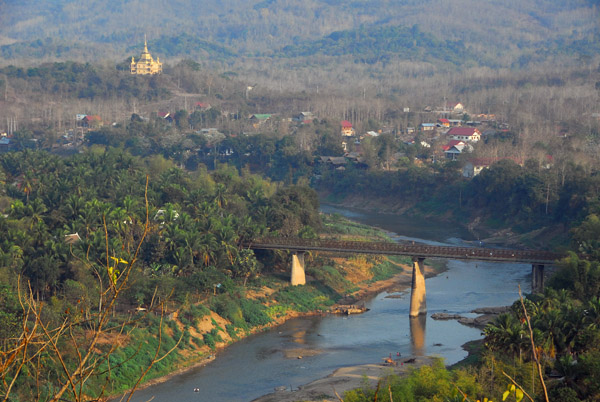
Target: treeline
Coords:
[(197, 222), (85, 81), (280, 159), (524, 197), (111, 261)]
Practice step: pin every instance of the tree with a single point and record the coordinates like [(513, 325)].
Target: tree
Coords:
[(67, 343), (181, 119), (245, 265)]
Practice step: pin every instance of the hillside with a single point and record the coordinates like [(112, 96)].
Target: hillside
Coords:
[(495, 32)]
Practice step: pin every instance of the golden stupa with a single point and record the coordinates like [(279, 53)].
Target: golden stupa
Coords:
[(146, 64)]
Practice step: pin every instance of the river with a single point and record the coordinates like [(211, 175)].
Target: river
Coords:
[(256, 365)]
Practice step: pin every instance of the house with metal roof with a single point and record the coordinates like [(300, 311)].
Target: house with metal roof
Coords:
[(470, 134)]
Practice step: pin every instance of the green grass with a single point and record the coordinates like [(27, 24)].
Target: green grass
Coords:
[(337, 224), (384, 270), (304, 298)]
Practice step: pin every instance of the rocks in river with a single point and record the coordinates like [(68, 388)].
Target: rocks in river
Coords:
[(487, 314), (349, 309), (491, 310), (468, 321), (446, 316)]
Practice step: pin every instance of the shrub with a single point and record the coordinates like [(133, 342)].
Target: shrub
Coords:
[(229, 309), (303, 298), (254, 313), (211, 338)]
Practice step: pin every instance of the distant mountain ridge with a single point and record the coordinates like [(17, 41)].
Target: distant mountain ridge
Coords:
[(491, 32), (382, 44)]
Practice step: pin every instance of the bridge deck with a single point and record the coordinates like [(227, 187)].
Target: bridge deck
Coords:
[(413, 250)]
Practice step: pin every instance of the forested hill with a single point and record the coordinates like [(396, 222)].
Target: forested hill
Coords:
[(382, 43), (509, 32)]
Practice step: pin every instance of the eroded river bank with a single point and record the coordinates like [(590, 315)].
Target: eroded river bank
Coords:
[(263, 362)]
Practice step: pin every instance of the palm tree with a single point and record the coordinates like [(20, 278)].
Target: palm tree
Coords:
[(506, 333), (36, 211), (27, 183), (207, 248), (220, 196)]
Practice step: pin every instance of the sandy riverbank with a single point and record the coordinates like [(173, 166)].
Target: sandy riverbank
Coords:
[(345, 379), (348, 378), (352, 377), (397, 283)]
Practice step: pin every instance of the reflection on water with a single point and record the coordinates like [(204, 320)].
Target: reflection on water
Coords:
[(417, 334), (407, 227), (258, 364), (299, 337)]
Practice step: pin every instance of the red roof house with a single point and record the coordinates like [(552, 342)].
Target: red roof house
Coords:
[(444, 122), (91, 121), (203, 106), (452, 143), (347, 129), (464, 133)]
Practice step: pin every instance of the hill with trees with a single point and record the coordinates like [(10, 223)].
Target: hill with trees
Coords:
[(505, 33)]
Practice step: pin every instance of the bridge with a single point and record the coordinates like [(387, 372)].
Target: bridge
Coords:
[(418, 253)]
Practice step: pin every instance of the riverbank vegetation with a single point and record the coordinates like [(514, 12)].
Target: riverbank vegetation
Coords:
[(565, 325), (221, 172), (104, 276), (524, 198)]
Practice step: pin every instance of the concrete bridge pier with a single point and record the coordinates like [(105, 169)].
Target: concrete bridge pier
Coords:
[(537, 278), (418, 302), (298, 275)]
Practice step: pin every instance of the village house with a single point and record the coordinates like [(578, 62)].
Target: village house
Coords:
[(259, 119), (202, 106), (474, 166), (304, 117), (165, 116), (444, 122), (427, 126), (455, 107), (456, 147), (334, 162), (469, 134), (347, 129), (91, 121), (5, 144)]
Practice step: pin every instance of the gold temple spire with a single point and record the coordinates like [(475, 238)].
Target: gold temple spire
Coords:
[(146, 64)]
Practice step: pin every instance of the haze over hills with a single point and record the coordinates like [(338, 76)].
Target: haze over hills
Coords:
[(507, 33)]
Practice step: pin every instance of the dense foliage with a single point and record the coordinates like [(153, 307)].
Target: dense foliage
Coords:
[(383, 44), (72, 227), (197, 222), (83, 80), (525, 197)]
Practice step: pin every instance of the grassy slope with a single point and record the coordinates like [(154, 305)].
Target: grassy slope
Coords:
[(216, 321)]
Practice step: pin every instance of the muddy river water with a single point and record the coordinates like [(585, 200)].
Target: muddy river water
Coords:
[(257, 365)]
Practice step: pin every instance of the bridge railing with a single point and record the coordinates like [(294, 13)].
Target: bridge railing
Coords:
[(408, 249)]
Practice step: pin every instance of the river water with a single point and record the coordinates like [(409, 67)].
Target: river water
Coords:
[(256, 365)]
